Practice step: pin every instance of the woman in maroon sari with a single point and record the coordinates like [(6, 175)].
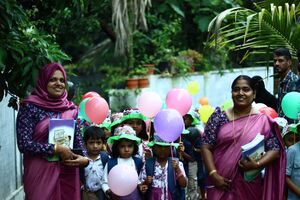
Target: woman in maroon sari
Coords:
[(225, 133), (44, 179)]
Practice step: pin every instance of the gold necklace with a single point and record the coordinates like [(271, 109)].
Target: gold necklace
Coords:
[(233, 130)]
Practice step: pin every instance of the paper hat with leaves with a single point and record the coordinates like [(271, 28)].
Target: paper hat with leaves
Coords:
[(158, 141), (195, 115), (133, 113), (124, 132)]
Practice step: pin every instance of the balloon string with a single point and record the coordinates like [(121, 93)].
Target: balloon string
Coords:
[(172, 156)]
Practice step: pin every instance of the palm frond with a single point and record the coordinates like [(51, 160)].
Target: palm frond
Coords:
[(257, 31)]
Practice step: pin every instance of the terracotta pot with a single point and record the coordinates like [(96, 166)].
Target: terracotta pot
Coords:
[(150, 68), (143, 82), (132, 83)]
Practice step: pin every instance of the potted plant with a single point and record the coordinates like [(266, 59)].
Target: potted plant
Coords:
[(138, 76), (192, 57), (179, 66)]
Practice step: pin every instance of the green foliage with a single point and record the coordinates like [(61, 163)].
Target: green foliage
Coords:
[(257, 32), (23, 50)]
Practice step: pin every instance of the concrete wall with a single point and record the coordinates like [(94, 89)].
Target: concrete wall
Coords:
[(213, 85), (11, 161)]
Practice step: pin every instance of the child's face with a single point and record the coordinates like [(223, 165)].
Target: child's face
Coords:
[(136, 124), (107, 132), (290, 139), (94, 146), (126, 148), (188, 120), (162, 152)]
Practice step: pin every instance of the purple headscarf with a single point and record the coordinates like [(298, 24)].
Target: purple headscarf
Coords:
[(40, 96)]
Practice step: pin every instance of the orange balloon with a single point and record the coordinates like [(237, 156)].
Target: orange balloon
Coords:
[(203, 101)]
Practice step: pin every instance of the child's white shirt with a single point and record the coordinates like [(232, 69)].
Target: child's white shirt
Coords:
[(93, 174), (126, 161)]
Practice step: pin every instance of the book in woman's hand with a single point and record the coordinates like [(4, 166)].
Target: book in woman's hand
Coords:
[(61, 132), (254, 150)]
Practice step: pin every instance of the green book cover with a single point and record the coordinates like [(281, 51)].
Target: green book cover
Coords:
[(254, 150)]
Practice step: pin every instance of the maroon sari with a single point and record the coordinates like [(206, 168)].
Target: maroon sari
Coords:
[(49, 180), (227, 152)]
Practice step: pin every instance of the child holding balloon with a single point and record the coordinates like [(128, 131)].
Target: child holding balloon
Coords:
[(124, 148), (163, 175)]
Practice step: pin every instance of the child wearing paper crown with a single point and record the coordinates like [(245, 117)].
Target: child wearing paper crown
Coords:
[(134, 118), (124, 148), (293, 166), (163, 176)]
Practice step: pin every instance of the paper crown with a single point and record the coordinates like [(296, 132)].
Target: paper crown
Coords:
[(124, 132)]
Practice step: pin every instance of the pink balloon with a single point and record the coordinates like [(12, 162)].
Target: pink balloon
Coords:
[(168, 125), (180, 100), (149, 104), (122, 179), (96, 109), (260, 105), (90, 94)]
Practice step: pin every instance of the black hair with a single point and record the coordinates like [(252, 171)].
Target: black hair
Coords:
[(143, 134), (246, 78), (258, 83), (93, 132), (115, 148), (283, 52)]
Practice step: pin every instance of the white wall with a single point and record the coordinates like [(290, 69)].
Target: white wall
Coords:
[(11, 162), (213, 85)]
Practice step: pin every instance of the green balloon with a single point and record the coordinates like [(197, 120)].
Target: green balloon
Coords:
[(82, 109), (291, 104), (227, 104)]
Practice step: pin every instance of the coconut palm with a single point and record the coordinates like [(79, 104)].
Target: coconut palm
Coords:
[(127, 16), (258, 31)]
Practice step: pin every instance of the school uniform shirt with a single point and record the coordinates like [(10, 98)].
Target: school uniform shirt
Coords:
[(126, 161), (160, 177), (94, 175), (293, 168)]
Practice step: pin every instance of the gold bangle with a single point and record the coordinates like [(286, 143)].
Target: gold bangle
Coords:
[(212, 172), (55, 148)]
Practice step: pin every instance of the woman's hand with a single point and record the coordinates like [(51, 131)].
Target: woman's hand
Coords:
[(248, 164), (64, 152), (77, 161), (220, 182)]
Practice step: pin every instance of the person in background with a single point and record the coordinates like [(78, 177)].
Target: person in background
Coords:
[(92, 177), (292, 166), (190, 155), (290, 136), (263, 95), (225, 133), (44, 179), (282, 65), (295, 86)]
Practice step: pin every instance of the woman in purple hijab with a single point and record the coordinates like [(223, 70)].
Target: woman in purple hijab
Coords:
[(225, 133), (44, 179)]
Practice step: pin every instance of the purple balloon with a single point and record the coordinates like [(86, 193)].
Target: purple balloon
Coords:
[(168, 125)]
